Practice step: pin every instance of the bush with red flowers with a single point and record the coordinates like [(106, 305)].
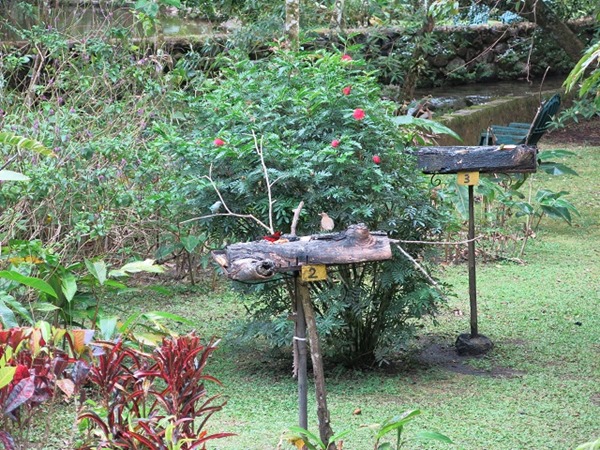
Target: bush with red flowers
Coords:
[(319, 140)]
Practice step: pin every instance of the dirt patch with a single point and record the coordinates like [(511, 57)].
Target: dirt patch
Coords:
[(595, 399), (582, 133), (443, 355)]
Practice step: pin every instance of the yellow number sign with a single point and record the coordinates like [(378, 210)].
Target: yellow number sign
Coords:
[(316, 272), (468, 178)]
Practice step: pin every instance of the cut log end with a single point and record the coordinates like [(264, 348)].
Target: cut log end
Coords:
[(249, 269)]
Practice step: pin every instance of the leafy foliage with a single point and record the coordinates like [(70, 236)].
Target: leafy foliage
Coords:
[(37, 364), (511, 207), (70, 294), (395, 425), (266, 145), (152, 401)]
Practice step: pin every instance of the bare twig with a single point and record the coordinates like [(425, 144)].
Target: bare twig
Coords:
[(7, 163), (435, 285), (229, 212), (259, 150), (295, 218)]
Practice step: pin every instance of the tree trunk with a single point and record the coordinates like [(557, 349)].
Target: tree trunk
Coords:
[(337, 15), (536, 11), (412, 75), (292, 23)]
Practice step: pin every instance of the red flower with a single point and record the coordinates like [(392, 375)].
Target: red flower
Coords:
[(376, 159), (358, 114), (346, 57), (218, 142), (335, 143), (347, 90)]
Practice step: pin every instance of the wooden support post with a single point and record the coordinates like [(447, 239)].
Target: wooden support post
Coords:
[(301, 349), (472, 283), (325, 431)]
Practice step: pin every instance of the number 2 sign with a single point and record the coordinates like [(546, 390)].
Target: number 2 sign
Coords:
[(314, 272)]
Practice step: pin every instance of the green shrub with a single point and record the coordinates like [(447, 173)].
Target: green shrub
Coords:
[(301, 114)]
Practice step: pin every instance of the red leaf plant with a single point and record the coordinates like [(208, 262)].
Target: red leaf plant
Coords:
[(149, 400), (41, 370)]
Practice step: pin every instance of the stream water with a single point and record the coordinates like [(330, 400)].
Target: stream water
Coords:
[(86, 19), (459, 97)]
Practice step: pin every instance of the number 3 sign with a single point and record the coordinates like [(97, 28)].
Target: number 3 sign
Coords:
[(468, 178)]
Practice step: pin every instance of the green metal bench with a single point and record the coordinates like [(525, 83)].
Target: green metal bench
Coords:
[(523, 133)]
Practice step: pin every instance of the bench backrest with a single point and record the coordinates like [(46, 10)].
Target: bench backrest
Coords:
[(542, 120)]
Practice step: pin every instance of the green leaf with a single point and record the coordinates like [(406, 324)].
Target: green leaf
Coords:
[(595, 445), (17, 307), (107, 327), (558, 153), (340, 435), (578, 71), (6, 375), (136, 267), (385, 446), (44, 307), (426, 124), (46, 330), (9, 175), (32, 282), (69, 286), (307, 435), (397, 422), (97, 269), (191, 242), (557, 213), (432, 436), (24, 143), (554, 168), (160, 315), (7, 316), (114, 284)]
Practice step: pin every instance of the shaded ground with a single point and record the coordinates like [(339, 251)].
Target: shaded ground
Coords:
[(581, 133), (439, 352)]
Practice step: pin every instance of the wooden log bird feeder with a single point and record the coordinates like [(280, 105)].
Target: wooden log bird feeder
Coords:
[(261, 260), (307, 258), (468, 163)]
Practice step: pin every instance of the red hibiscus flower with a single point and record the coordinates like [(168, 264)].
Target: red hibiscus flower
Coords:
[(335, 143), (218, 142), (346, 57), (347, 90)]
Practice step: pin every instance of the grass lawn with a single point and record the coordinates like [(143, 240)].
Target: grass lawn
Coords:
[(539, 388)]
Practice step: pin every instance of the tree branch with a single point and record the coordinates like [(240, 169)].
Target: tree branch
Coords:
[(296, 217), (435, 285), (229, 212), (259, 150)]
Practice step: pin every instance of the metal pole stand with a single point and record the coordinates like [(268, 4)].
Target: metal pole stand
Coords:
[(472, 343)]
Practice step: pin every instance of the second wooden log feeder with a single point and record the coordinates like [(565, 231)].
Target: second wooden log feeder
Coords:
[(484, 159), (261, 260)]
